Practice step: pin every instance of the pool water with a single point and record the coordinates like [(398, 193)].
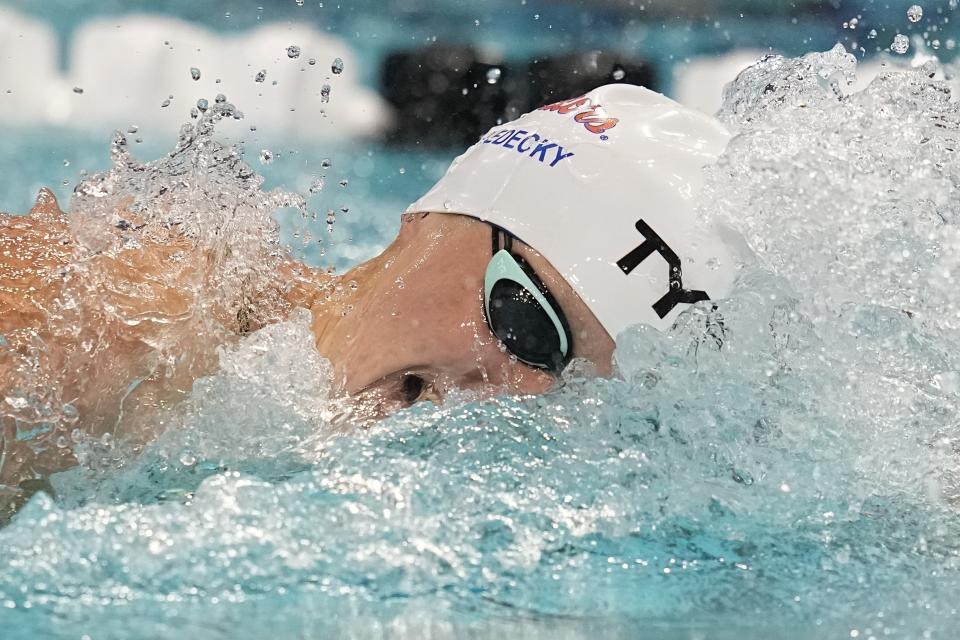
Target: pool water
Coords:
[(782, 463)]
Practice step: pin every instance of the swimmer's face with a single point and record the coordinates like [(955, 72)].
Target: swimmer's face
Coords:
[(414, 327)]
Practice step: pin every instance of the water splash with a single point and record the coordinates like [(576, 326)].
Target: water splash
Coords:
[(194, 232), (786, 455)]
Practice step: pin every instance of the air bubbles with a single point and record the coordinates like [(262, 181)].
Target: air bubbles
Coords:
[(312, 61), (325, 93), (343, 183), (66, 163), (299, 3), (166, 103), (618, 74), (220, 99), (293, 52), (493, 75), (915, 13), (331, 219), (871, 34), (194, 73), (317, 185), (266, 156), (203, 105), (78, 90), (326, 163), (187, 459), (261, 76), (337, 66), (901, 44)]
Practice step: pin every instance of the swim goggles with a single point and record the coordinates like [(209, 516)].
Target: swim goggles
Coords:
[(521, 312)]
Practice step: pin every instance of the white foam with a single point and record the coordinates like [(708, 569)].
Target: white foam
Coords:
[(699, 83), (127, 71)]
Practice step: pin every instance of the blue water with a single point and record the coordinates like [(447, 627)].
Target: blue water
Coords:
[(781, 466)]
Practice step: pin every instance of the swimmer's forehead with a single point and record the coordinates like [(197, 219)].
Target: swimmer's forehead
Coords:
[(605, 186)]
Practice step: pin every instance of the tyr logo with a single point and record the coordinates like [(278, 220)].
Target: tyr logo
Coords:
[(676, 293)]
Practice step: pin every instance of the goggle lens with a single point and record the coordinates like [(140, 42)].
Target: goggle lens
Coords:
[(522, 314), (524, 327)]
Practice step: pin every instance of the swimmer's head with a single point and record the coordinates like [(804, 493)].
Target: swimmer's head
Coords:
[(605, 187), (573, 222)]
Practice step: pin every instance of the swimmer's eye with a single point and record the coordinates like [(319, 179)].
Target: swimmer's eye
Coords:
[(412, 388)]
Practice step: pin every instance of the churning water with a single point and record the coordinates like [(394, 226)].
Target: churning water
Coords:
[(783, 463)]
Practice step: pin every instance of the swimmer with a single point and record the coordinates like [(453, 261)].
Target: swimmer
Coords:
[(542, 242)]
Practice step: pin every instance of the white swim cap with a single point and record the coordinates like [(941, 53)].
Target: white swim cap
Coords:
[(604, 186)]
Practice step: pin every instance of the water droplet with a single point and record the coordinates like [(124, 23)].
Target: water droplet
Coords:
[(194, 73), (202, 104), (337, 66), (316, 186), (187, 459), (220, 99), (293, 51), (78, 90), (493, 75), (915, 13), (326, 164), (266, 157), (901, 44), (325, 93), (261, 76), (619, 74), (343, 183)]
